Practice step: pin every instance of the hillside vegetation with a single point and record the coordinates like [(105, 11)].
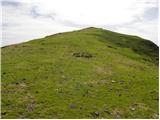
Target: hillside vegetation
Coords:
[(90, 73)]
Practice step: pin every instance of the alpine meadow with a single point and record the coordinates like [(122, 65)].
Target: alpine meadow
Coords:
[(87, 73)]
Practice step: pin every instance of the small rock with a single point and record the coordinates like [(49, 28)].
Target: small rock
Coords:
[(23, 85), (107, 112), (113, 81), (133, 109), (72, 106), (82, 54), (155, 116), (110, 46), (4, 73), (95, 114), (4, 113), (17, 83), (118, 116)]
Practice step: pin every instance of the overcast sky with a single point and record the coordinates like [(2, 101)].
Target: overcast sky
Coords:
[(29, 19)]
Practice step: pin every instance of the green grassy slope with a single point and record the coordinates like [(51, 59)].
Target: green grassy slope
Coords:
[(90, 73)]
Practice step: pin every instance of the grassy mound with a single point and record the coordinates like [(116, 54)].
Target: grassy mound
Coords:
[(90, 73)]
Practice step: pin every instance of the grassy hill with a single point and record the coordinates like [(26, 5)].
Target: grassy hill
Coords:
[(90, 73)]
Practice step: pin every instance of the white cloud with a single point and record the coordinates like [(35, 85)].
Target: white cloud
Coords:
[(37, 18)]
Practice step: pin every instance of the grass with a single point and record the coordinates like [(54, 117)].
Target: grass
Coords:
[(44, 79)]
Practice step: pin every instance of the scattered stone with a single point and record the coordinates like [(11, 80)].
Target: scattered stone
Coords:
[(72, 106), (4, 113), (120, 95), (113, 81), (118, 116), (31, 106), (23, 85), (133, 109), (107, 112), (95, 114), (17, 83), (110, 46), (155, 116), (4, 73), (82, 54)]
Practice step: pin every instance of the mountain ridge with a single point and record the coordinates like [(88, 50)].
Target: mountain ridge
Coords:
[(81, 30), (90, 73)]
